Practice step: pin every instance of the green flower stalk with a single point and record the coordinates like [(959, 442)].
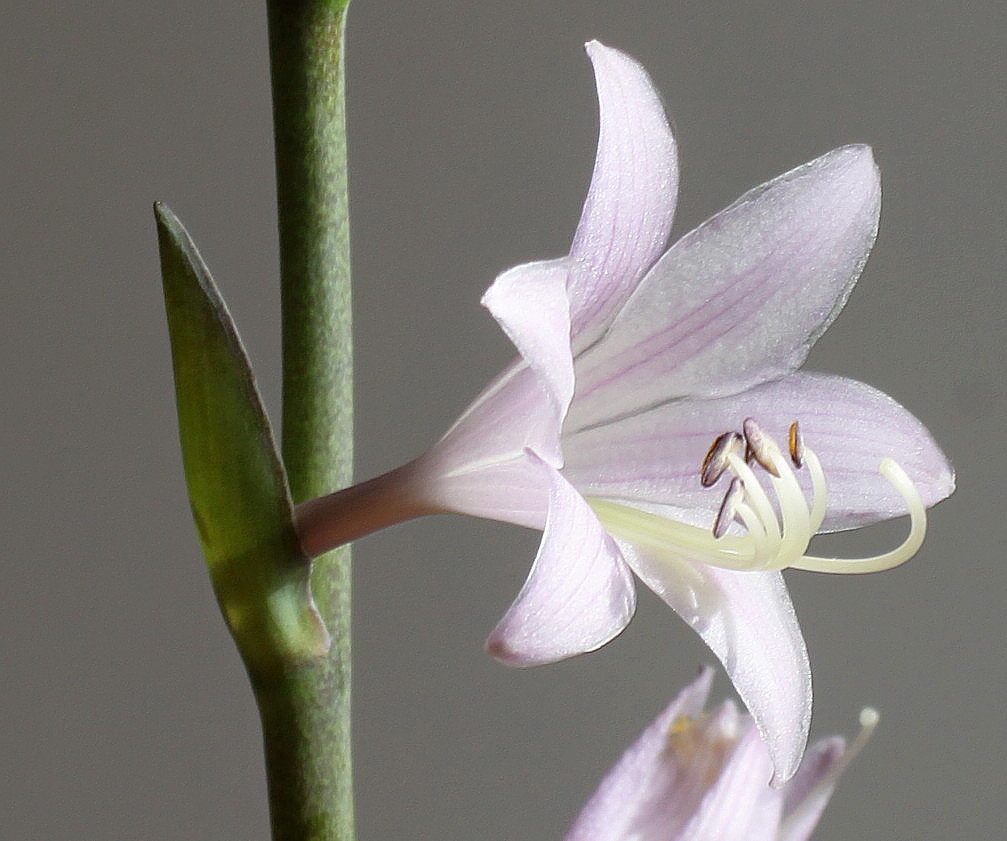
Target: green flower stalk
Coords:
[(306, 715)]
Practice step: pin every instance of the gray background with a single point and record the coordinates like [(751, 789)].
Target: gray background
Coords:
[(125, 713)]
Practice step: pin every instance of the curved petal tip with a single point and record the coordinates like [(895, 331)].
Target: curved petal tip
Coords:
[(579, 594)]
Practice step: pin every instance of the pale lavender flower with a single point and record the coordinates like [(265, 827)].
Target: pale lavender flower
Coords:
[(697, 776), (633, 360)]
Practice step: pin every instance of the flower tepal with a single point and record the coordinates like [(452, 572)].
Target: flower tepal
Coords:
[(704, 776), (649, 421)]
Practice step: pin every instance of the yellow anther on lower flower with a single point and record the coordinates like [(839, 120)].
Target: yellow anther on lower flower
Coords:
[(774, 536), (700, 745)]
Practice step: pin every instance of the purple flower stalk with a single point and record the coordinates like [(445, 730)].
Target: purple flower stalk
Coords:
[(695, 776), (655, 420)]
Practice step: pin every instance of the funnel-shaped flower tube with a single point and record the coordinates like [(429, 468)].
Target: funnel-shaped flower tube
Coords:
[(651, 381), (698, 776)]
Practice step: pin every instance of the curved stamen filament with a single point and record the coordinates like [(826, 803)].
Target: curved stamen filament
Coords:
[(796, 527), (756, 497), (756, 530), (886, 560), (818, 490), (681, 540)]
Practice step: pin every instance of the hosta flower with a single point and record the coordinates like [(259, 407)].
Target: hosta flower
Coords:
[(695, 776), (649, 423)]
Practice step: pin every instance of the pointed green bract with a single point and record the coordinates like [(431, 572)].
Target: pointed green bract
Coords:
[(237, 486)]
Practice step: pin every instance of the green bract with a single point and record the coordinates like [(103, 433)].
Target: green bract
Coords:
[(236, 481)]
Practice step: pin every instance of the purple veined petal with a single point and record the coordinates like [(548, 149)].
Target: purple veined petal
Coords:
[(748, 621), (480, 466), (739, 806), (579, 594), (631, 202), (512, 413), (512, 491), (654, 457), (530, 303), (644, 788), (741, 299), (524, 407), (804, 798)]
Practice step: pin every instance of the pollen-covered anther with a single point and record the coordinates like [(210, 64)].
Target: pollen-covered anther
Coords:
[(795, 443), (716, 460), (761, 446)]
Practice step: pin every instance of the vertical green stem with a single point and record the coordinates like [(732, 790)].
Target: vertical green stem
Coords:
[(305, 709)]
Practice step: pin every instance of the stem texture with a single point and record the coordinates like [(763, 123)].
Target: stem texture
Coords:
[(305, 707)]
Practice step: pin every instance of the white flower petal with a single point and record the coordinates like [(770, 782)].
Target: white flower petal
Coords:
[(742, 298), (748, 621), (805, 797), (579, 594), (513, 491), (629, 208), (530, 303), (480, 467), (739, 805)]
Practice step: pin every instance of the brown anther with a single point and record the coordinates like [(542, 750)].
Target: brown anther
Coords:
[(795, 442), (715, 461), (761, 446), (729, 507)]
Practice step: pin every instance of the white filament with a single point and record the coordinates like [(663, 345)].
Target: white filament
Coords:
[(770, 541), (901, 553)]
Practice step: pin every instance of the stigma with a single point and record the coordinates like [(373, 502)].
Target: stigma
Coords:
[(767, 524)]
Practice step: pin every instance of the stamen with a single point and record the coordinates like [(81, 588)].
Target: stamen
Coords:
[(677, 540), (795, 517), (819, 490), (761, 446), (698, 746), (756, 497), (776, 531), (756, 531), (795, 443), (729, 507), (715, 461)]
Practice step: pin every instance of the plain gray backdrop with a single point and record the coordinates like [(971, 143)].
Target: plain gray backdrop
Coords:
[(125, 712)]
